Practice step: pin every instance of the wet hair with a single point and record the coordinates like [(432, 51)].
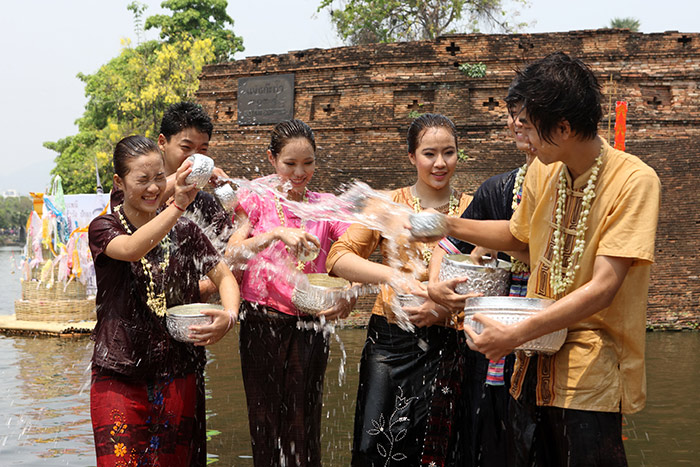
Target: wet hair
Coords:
[(422, 123), (130, 148), (513, 98), (558, 88), (288, 130), (183, 115)]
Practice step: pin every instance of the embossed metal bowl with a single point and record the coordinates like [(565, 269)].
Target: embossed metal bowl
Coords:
[(407, 299), (490, 279), (319, 292), (309, 252), (202, 166), (428, 224), (512, 310), (179, 319), (226, 196)]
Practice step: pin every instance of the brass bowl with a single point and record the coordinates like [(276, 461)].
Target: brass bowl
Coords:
[(512, 310), (490, 279), (179, 319), (319, 292)]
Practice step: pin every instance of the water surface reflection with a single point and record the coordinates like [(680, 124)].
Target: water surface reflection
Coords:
[(45, 419)]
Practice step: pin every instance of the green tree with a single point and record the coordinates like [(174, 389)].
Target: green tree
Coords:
[(370, 21), (14, 211), (625, 23), (128, 95), (200, 19)]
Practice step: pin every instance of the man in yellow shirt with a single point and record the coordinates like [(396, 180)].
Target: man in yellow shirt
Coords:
[(588, 216)]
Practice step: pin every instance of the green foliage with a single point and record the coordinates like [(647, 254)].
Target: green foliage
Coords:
[(473, 70), (371, 21), (199, 19), (126, 96), (625, 23), (14, 211)]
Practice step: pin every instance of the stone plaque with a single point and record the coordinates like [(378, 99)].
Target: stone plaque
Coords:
[(265, 99)]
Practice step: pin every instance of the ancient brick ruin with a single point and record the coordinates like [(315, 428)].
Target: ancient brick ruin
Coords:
[(359, 100)]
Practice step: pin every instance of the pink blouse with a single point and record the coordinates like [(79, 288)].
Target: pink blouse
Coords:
[(268, 276)]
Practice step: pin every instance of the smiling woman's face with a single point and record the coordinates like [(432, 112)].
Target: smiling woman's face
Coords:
[(295, 163), (435, 157)]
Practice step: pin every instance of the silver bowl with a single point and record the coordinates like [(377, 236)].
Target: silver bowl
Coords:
[(309, 252), (179, 319), (512, 310), (226, 196), (407, 299), (202, 167), (319, 292), (428, 224), (490, 279)]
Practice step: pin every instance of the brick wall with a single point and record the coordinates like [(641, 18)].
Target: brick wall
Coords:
[(358, 100)]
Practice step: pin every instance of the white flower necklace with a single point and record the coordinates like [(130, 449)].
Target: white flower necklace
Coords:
[(452, 210), (280, 213), (156, 302), (519, 179), (559, 278), (517, 266)]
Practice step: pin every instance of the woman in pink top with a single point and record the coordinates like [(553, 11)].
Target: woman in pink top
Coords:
[(283, 363)]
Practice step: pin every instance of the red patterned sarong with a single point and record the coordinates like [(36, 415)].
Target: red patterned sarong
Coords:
[(147, 423)]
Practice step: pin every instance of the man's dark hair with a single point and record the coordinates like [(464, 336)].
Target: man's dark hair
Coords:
[(558, 88), (185, 115)]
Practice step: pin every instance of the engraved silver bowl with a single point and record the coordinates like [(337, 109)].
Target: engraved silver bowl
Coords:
[(490, 279), (226, 196), (319, 292), (407, 299), (202, 167), (512, 310), (309, 252), (428, 224), (179, 319)]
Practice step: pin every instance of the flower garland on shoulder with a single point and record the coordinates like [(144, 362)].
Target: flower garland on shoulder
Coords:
[(155, 301), (518, 267), (561, 278)]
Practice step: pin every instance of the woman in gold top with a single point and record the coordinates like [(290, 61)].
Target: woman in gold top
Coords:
[(406, 412)]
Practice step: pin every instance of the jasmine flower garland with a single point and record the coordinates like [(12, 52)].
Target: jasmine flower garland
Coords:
[(156, 302), (517, 265), (561, 278)]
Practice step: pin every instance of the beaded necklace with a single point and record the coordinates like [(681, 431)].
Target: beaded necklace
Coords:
[(561, 278), (452, 207), (518, 266), (280, 213), (156, 302)]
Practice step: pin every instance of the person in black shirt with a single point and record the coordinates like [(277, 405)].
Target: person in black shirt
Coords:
[(488, 381)]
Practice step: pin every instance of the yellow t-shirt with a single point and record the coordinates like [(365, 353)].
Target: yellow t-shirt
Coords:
[(407, 257), (601, 365)]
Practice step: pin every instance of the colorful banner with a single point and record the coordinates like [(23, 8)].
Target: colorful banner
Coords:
[(620, 124)]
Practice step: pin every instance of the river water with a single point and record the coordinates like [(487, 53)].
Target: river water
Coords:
[(45, 419)]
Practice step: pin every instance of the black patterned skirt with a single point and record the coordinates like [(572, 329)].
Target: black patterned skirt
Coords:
[(409, 410)]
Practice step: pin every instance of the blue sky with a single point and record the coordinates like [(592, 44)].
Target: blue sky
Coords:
[(47, 43)]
